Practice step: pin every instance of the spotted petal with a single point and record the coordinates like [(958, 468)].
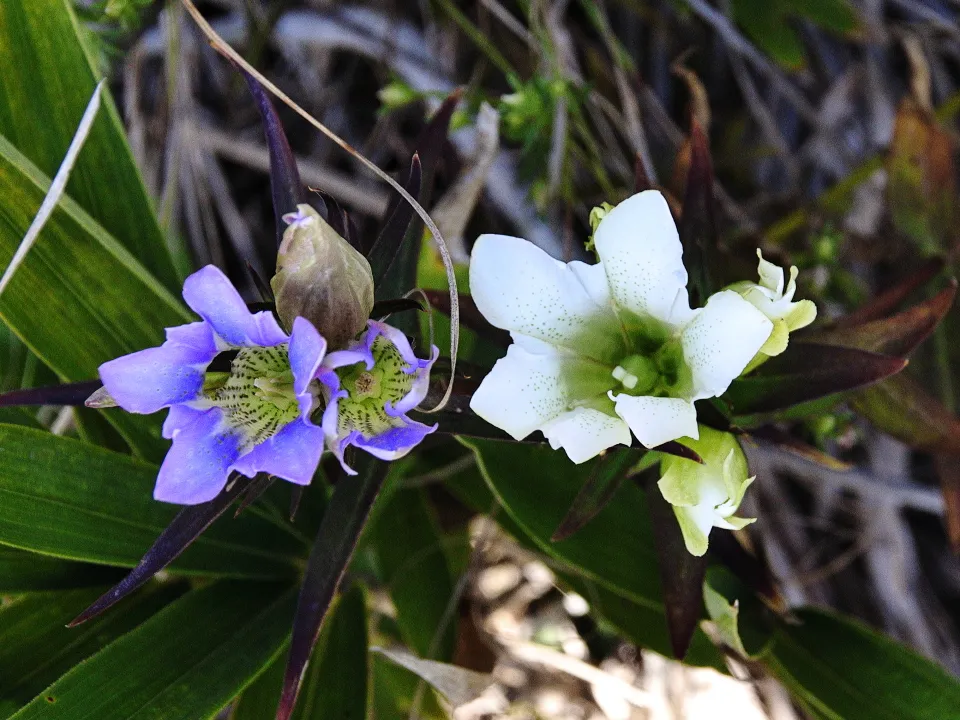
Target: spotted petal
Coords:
[(720, 341), (641, 253), (197, 466), (212, 296), (656, 420), (525, 391), (291, 454), (396, 442), (518, 287), (586, 432)]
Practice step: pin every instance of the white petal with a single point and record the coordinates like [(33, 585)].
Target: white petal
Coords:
[(518, 287), (656, 420), (641, 253), (525, 391), (585, 433), (721, 340)]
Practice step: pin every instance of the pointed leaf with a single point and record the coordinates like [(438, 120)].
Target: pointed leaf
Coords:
[(897, 335), (888, 301), (458, 685), (343, 521), (336, 684), (72, 500), (74, 394), (186, 527), (185, 663), (807, 371), (285, 185), (48, 76), (681, 573), (599, 489), (901, 407), (698, 225), (386, 247)]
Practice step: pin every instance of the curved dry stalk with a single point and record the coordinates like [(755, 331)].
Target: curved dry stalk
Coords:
[(224, 49)]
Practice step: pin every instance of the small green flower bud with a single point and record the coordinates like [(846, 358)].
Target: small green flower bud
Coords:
[(321, 278)]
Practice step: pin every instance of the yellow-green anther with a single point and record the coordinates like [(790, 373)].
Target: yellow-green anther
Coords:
[(321, 278)]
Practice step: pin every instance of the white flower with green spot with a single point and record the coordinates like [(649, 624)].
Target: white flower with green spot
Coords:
[(706, 496), (774, 298), (602, 350)]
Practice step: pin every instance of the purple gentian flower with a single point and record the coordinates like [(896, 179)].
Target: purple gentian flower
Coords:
[(253, 418), (370, 387)]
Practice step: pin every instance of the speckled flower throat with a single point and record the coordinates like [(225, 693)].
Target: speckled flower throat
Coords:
[(257, 394), (370, 393)]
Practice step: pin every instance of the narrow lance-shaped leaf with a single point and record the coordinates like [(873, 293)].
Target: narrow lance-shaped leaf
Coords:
[(599, 489), (288, 191), (74, 394), (337, 537), (458, 685), (897, 335), (888, 301), (697, 226), (807, 371), (386, 247), (186, 527), (681, 573)]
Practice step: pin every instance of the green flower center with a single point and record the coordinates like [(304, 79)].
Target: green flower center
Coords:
[(656, 366), (257, 394), (369, 391)]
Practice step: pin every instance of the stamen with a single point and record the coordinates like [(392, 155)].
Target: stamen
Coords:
[(628, 380)]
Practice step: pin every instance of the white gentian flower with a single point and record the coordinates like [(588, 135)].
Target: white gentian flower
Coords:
[(706, 496), (776, 302), (602, 350)]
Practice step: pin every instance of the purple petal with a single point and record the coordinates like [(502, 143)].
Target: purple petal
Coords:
[(198, 335), (151, 379), (210, 294), (291, 454), (307, 348), (180, 418), (421, 384), (340, 358), (198, 463), (394, 443)]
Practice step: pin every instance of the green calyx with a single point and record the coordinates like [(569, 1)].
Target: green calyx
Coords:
[(257, 393), (661, 373), (370, 391)]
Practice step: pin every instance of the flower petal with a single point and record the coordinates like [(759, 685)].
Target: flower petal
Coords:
[(518, 287), (721, 340), (396, 442), (306, 351), (180, 418), (656, 420), (212, 296), (197, 466), (146, 381), (525, 391), (291, 454), (695, 524), (421, 385), (585, 432), (641, 253)]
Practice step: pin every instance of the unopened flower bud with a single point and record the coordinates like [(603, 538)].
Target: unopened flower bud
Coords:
[(322, 278)]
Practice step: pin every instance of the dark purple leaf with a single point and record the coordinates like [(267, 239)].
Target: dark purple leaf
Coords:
[(888, 301), (697, 227), (605, 479), (807, 371), (74, 394), (342, 523), (748, 568), (385, 308), (256, 488), (386, 247), (288, 191), (186, 526), (401, 248), (897, 335), (681, 573), (641, 181)]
